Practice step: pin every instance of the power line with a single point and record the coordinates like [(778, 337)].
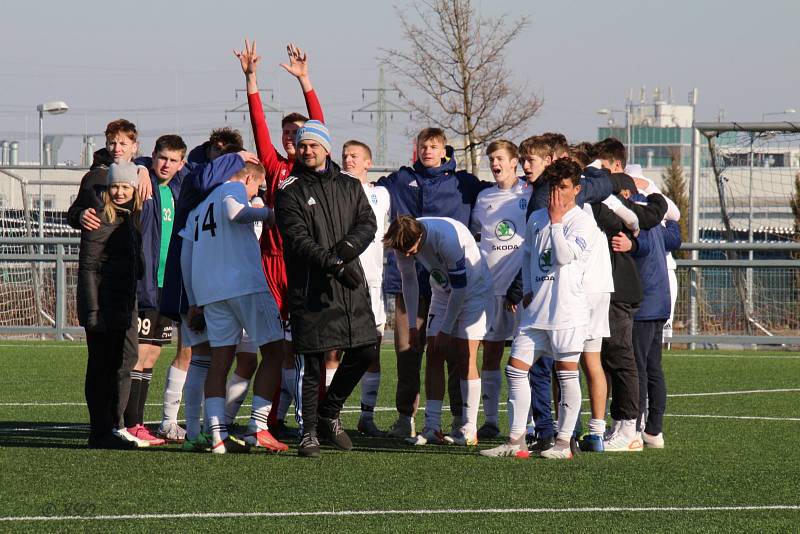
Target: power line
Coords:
[(384, 109)]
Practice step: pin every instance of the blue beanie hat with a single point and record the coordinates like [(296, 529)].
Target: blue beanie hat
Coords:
[(314, 130)]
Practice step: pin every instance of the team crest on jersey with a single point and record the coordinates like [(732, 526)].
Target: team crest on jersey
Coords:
[(505, 230), (373, 198), (546, 260), (311, 201), (523, 203), (440, 278)]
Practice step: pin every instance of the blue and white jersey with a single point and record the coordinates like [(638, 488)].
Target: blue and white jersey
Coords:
[(458, 270), (372, 258), (499, 218), (554, 260)]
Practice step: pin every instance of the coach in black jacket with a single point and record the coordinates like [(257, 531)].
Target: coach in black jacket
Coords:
[(326, 222)]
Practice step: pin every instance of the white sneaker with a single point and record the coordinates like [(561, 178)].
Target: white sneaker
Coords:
[(557, 452), (427, 436), (619, 442), (127, 436), (461, 438), (653, 442), (509, 448), (171, 432), (612, 429)]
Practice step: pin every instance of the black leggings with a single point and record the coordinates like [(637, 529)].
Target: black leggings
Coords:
[(112, 356)]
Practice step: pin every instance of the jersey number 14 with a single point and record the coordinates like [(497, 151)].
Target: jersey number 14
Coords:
[(208, 223)]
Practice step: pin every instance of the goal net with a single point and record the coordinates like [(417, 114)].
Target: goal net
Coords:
[(747, 189), (28, 288)]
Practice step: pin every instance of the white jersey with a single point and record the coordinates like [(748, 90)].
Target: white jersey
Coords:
[(372, 258), (499, 217), (226, 259), (457, 269), (555, 258), (598, 277)]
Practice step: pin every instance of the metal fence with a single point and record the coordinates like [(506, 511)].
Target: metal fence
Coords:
[(37, 295)]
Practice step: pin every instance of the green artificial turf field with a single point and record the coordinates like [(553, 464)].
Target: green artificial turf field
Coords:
[(731, 463)]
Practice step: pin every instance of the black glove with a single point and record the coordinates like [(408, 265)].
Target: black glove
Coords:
[(348, 276), (198, 323), (345, 251), (95, 323)]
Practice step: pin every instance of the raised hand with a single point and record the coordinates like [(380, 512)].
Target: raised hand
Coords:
[(298, 62), (248, 58)]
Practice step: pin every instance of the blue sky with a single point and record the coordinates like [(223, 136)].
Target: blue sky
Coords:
[(168, 65)]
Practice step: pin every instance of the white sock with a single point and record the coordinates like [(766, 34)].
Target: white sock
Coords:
[(173, 391), (597, 427), (519, 401), (471, 393), (288, 385), (433, 414), (491, 381), (215, 412), (569, 407), (369, 393), (261, 409), (235, 392), (193, 393), (329, 377)]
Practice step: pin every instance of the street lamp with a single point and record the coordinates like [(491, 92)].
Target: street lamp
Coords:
[(788, 111), (53, 108)]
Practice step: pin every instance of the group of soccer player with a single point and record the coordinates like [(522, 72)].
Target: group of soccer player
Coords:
[(570, 261)]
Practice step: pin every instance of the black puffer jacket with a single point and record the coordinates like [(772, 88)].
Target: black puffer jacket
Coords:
[(316, 210), (109, 264)]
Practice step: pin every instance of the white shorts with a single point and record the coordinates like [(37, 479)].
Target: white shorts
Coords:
[(256, 313), (598, 321), (190, 338), (562, 345), (246, 345), (471, 323), (503, 323), (378, 309)]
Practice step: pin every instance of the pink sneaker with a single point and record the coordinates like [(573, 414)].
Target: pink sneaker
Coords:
[(141, 432)]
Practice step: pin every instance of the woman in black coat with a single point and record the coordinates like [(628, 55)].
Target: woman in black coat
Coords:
[(110, 263)]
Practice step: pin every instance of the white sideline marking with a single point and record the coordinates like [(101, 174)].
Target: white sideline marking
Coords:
[(83, 426), (754, 356), (746, 417), (211, 515), (357, 409)]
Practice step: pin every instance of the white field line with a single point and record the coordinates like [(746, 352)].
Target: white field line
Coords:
[(446, 511), (83, 426), (356, 408), (754, 356)]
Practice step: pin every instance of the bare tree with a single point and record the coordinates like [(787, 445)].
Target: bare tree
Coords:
[(456, 59)]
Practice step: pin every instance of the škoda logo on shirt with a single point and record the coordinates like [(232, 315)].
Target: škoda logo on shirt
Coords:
[(505, 230), (545, 260), (440, 278)]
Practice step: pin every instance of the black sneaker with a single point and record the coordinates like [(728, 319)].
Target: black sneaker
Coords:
[(110, 442), (541, 444), (331, 430), (309, 446), (283, 432)]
